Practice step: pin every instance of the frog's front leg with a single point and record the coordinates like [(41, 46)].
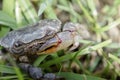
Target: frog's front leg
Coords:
[(78, 31), (62, 40), (69, 38), (76, 43)]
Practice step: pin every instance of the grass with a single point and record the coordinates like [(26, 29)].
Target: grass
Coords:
[(97, 59)]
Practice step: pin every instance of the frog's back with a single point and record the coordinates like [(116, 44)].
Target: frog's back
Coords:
[(30, 32)]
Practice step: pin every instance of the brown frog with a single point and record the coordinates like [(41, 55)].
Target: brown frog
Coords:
[(45, 37)]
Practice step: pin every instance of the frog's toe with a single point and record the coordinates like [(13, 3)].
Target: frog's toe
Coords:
[(50, 76), (35, 73), (75, 46), (76, 43)]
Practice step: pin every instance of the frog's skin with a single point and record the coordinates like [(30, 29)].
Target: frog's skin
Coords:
[(71, 34), (30, 36), (45, 37)]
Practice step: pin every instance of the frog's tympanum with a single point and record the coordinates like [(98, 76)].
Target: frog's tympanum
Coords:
[(45, 37)]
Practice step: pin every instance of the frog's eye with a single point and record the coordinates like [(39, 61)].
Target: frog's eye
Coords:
[(18, 44), (17, 48)]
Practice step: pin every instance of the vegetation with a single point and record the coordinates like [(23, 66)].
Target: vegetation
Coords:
[(97, 59)]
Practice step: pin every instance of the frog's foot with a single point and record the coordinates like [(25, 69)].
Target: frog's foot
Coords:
[(51, 76), (34, 72)]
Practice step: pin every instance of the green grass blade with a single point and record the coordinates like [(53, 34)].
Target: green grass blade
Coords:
[(28, 11), (109, 26), (20, 19), (15, 67), (7, 20), (81, 52), (7, 69), (49, 12), (8, 77), (43, 6), (114, 58), (4, 30), (39, 60), (85, 11), (64, 2), (70, 10), (8, 7), (81, 66), (74, 76), (92, 6)]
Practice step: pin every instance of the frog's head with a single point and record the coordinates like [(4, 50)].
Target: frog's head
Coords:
[(9, 42), (15, 48), (15, 41)]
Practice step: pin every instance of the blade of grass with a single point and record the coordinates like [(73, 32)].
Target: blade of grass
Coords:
[(7, 69), (109, 26), (43, 6), (15, 67), (94, 64), (74, 15), (49, 13), (8, 77), (4, 30), (82, 52), (82, 67), (64, 2), (20, 19), (114, 45), (39, 60), (12, 77), (85, 11), (69, 10), (114, 58), (28, 11), (74, 76), (91, 5), (7, 20), (105, 43), (8, 7)]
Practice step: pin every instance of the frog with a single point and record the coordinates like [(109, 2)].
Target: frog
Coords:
[(45, 37)]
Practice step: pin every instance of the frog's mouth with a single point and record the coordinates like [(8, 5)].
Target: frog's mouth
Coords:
[(49, 50), (50, 46)]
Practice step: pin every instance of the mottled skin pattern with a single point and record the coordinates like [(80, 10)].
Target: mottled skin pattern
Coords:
[(38, 33), (44, 37)]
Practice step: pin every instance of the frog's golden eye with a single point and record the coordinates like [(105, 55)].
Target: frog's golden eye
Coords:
[(18, 44)]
